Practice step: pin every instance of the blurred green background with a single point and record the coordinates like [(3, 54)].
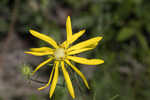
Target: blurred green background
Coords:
[(124, 24)]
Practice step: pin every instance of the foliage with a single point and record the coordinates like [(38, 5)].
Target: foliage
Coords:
[(124, 24)]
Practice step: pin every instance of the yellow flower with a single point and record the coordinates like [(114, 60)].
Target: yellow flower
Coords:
[(63, 54)]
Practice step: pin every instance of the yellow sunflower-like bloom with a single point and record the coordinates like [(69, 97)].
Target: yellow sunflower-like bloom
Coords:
[(63, 54)]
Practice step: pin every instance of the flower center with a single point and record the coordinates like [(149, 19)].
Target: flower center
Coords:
[(59, 53)]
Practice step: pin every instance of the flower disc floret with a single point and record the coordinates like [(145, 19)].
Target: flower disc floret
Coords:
[(59, 53)]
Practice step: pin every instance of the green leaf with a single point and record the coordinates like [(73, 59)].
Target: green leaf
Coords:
[(142, 40), (148, 27), (125, 33)]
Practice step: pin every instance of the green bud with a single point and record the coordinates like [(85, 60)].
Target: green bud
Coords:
[(26, 70)]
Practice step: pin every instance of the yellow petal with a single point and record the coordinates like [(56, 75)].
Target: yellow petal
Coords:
[(85, 44), (55, 79), (73, 38), (86, 61), (38, 53), (68, 81), (41, 49), (79, 51), (42, 64), (68, 28), (44, 38), (78, 72), (43, 87)]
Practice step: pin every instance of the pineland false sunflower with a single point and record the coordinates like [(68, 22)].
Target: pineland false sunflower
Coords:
[(63, 54)]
